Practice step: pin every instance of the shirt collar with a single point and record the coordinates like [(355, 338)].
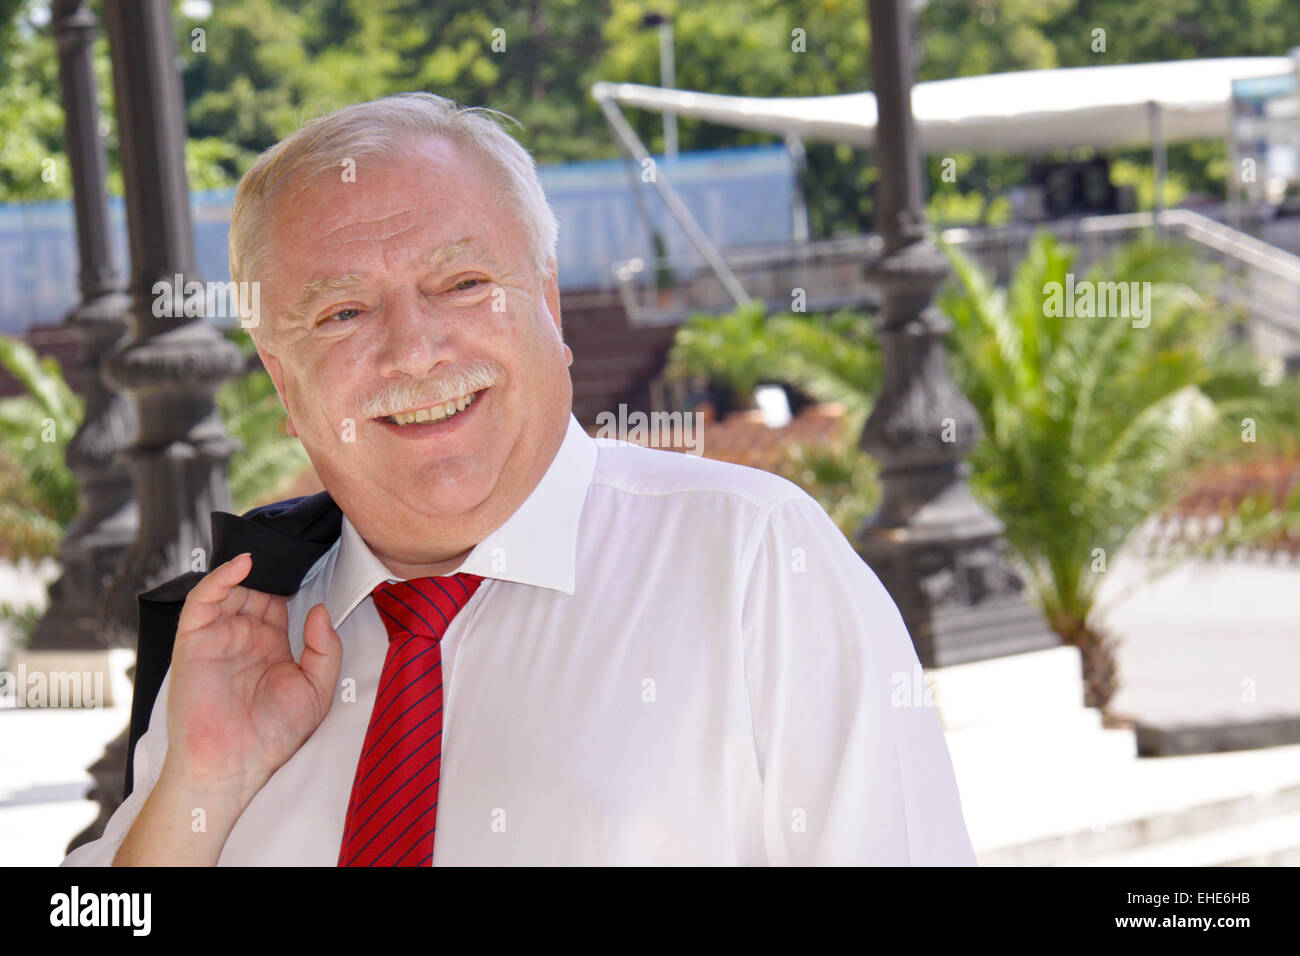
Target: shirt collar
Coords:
[(537, 545)]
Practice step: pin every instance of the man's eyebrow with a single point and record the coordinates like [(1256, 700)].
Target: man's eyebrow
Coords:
[(318, 287), (459, 249), (440, 256)]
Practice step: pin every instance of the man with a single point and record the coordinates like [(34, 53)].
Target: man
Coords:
[(495, 640)]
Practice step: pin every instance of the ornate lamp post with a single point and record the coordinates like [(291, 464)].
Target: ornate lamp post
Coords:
[(939, 553), (106, 523), (172, 365)]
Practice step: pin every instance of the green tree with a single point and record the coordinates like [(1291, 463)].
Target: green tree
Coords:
[(254, 415), (1092, 425), (38, 495)]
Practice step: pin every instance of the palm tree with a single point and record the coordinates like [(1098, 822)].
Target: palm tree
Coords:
[(38, 495), (833, 357), (1091, 425)]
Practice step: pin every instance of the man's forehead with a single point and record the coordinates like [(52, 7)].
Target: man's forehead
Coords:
[(464, 247)]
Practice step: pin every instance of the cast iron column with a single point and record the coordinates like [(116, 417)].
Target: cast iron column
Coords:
[(96, 542), (939, 553), (171, 365)]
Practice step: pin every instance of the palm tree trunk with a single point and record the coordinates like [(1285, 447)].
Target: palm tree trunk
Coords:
[(1100, 663)]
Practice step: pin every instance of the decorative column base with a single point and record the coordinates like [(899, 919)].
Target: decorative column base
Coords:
[(95, 543), (939, 553), (109, 772), (93, 549), (960, 599)]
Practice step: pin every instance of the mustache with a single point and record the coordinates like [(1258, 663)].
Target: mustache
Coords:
[(435, 390)]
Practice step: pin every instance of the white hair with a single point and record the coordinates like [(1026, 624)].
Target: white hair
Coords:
[(377, 130)]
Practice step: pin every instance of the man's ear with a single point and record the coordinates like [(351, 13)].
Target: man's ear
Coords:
[(272, 365), (551, 290)]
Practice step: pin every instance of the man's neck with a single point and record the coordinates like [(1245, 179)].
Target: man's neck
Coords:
[(408, 572)]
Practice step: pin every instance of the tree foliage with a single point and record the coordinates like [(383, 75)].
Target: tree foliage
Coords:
[(260, 67)]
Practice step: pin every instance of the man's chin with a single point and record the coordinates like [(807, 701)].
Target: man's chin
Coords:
[(434, 500)]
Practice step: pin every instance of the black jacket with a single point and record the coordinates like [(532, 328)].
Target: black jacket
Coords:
[(285, 539)]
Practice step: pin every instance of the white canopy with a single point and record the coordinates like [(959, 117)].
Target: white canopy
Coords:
[(1032, 110)]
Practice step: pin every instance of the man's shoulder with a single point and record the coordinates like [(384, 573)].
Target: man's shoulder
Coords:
[(637, 470)]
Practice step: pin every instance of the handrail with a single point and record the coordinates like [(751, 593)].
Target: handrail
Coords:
[(1268, 260)]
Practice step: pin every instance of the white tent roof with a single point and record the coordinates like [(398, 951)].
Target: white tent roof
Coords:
[(1032, 110)]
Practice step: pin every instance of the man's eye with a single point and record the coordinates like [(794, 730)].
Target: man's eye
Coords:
[(345, 313), (464, 284)]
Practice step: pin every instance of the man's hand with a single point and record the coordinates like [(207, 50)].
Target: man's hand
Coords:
[(239, 704), (238, 707)]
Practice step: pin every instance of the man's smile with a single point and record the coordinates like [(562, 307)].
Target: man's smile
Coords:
[(432, 414)]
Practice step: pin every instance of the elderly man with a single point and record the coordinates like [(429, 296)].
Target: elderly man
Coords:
[(494, 640)]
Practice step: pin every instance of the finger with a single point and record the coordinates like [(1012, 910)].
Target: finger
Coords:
[(214, 586), (322, 653), (208, 598), (277, 613), (255, 604)]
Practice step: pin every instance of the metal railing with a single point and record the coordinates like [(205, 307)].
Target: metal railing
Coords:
[(1263, 279)]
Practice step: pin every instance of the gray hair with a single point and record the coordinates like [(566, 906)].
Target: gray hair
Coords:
[(374, 130)]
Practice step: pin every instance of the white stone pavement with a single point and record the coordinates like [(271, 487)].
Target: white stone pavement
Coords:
[(1205, 642), (1216, 641)]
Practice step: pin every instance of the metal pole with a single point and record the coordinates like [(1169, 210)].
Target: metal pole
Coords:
[(668, 80), (632, 143), (1158, 158), (794, 144)]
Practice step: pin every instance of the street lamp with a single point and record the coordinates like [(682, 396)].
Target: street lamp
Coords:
[(939, 553)]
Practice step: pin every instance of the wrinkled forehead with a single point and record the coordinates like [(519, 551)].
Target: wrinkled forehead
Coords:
[(406, 164), (435, 208)]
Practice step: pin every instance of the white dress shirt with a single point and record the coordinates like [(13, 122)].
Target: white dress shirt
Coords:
[(673, 660)]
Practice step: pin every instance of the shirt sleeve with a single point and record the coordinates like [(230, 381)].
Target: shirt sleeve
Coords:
[(854, 763), (149, 753)]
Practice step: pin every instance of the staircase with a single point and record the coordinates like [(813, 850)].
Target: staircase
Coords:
[(613, 361), (1044, 783)]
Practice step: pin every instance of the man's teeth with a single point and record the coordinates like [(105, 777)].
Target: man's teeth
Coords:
[(435, 414)]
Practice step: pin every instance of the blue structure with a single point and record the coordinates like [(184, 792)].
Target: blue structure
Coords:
[(740, 196)]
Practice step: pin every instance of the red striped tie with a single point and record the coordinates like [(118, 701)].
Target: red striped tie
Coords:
[(394, 806)]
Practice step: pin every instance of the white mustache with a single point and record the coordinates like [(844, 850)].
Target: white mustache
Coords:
[(411, 394)]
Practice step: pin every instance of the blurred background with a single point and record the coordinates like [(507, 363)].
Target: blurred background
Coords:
[(1012, 287)]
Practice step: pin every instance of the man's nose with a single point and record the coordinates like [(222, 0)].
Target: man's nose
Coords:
[(416, 338)]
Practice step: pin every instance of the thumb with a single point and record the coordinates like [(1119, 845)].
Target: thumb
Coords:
[(322, 652)]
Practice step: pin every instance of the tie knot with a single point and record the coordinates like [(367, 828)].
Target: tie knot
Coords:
[(423, 606)]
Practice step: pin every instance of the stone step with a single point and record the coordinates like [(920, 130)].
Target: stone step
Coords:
[(1034, 687), (1040, 815), (1072, 738), (1268, 841)]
